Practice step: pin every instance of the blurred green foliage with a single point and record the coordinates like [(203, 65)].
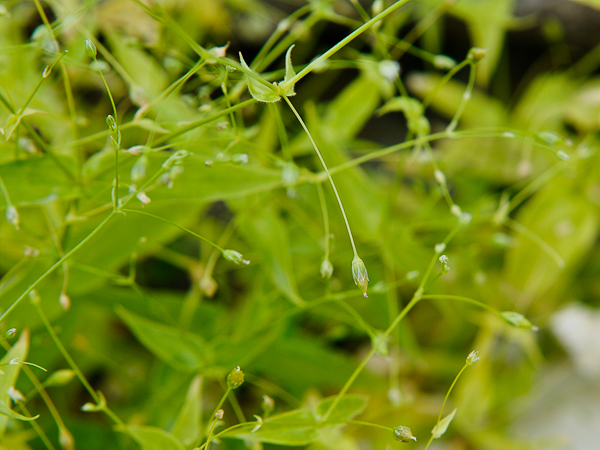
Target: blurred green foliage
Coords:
[(123, 283)]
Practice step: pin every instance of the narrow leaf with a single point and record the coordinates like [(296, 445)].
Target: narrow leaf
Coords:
[(294, 428), (348, 408), (289, 74), (441, 427), (9, 378), (182, 350), (187, 426), (5, 410), (152, 438)]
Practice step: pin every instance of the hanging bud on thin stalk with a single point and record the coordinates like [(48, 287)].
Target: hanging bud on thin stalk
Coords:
[(360, 275), (326, 269)]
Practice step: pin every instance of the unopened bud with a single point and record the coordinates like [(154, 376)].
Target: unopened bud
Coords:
[(12, 216), (473, 358), (518, 320), (326, 269), (476, 54), (444, 260), (443, 62), (268, 404), (235, 257), (111, 122), (65, 301), (235, 378), (219, 414), (403, 434), (360, 275), (90, 48), (60, 377)]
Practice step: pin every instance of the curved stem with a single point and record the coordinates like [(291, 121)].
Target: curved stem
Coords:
[(339, 200)]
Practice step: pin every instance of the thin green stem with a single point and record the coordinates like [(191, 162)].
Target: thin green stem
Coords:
[(319, 60), (314, 144), (417, 296), (40, 432), (198, 123), (64, 352), (45, 397), (187, 230), (358, 318), (55, 266), (427, 101), (5, 193), (460, 298), (325, 218), (432, 437), (465, 98), (535, 238)]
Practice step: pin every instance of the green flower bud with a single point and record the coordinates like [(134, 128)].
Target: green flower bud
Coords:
[(444, 260), (60, 377), (12, 216), (90, 48), (360, 275), (443, 62), (403, 434), (517, 320), (476, 53), (112, 123), (235, 378), (326, 269), (473, 358), (235, 257)]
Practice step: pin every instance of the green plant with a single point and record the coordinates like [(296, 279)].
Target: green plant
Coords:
[(135, 154)]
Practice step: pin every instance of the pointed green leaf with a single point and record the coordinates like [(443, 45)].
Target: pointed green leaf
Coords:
[(183, 350), (292, 428), (288, 90), (516, 320), (348, 408), (5, 410), (441, 427), (289, 68), (187, 426), (152, 438), (258, 90), (269, 235), (9, 378)]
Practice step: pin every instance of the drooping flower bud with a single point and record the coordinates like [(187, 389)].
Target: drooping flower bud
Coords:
[(360, 275), (90, 48)]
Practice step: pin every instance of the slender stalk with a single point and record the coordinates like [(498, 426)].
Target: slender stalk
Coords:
[(64, 352), (535, 238), (337, 196), (187, 230), (325, 219), (318, 61), (198, 123), (460, 298), (432, 437), (55, 266), (465, 98)]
